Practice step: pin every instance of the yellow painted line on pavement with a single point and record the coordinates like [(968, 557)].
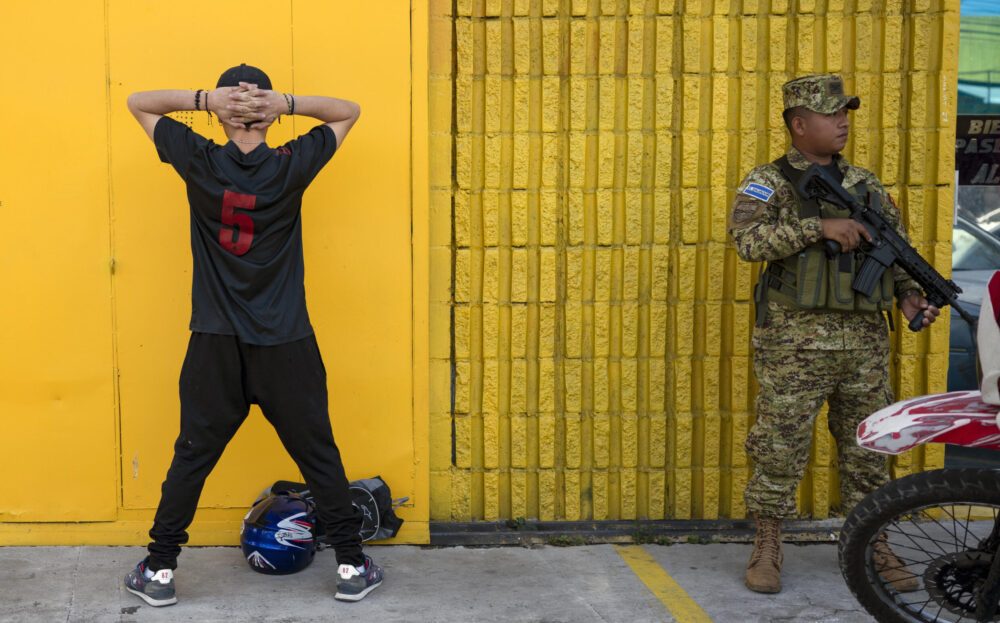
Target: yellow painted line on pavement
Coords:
[(659, 582)]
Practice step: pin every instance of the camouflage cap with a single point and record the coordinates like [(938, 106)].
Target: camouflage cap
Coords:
[(823, 94)]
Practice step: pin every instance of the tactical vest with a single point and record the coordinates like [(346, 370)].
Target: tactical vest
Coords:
[(811, 279)]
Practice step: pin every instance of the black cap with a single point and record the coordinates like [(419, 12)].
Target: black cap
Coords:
[(233, 76)]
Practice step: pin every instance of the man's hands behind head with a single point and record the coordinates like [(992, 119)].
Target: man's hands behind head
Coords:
[(246, 106)]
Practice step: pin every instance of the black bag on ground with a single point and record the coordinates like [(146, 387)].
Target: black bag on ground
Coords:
[(370, 495)]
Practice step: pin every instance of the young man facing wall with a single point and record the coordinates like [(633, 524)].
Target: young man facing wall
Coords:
[(251, 339)]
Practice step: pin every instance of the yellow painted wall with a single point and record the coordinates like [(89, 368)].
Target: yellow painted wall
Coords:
[(94, 321), (582, 282), (57, 390)]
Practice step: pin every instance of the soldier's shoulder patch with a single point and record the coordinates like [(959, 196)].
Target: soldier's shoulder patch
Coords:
[(746, 210), (758, 191)]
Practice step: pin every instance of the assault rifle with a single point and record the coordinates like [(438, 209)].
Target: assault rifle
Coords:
[(886, 247)]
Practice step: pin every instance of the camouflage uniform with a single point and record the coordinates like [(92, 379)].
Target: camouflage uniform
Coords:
[(804, 358)]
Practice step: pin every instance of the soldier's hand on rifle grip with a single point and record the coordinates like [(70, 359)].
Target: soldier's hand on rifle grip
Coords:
[(845, 232), (918, 311)]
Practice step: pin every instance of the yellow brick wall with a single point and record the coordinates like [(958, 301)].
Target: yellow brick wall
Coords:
[(589, 318)]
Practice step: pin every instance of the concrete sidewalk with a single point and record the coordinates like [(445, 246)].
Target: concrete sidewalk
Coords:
[(607, 583)]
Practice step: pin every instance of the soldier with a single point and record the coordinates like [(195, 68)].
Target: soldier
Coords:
[(815, 339)]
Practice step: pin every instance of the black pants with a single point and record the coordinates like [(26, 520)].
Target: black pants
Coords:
[(220, 379)]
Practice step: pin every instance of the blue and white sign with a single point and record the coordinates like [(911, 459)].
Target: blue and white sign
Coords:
[(758, 191)]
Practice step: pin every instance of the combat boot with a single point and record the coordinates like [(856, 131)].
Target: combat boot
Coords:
[(764, 568), (891, 568)]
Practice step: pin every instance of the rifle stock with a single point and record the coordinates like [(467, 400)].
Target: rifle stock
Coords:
[(885, 249)]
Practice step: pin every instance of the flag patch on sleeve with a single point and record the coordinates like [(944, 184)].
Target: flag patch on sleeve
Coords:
[(758, 191)]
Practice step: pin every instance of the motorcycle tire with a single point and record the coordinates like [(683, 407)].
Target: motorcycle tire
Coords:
[(936, 524)]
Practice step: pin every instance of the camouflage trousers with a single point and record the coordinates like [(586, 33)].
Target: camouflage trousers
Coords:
[(794, 384)]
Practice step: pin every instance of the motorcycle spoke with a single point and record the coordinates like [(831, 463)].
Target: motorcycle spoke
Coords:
[(953, 532), (921, 542)]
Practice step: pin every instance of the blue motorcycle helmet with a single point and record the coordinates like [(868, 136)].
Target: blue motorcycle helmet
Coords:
[(277, 534)]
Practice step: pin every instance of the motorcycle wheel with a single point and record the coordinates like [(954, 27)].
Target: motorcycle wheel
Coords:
[(936, 523)]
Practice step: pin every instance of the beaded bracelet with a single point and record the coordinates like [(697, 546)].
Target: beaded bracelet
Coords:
[(292, 111), (197, 96)]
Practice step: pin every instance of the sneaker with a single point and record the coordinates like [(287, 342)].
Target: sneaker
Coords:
[(352, 585), (155, 591)]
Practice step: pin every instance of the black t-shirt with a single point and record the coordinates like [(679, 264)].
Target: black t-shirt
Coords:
[(833, 169), (246, 230)]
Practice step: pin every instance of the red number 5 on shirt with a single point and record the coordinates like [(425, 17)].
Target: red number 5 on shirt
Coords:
[(236, 239)]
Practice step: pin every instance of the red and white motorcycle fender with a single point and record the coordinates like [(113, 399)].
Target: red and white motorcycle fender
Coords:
[(960, 418)]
